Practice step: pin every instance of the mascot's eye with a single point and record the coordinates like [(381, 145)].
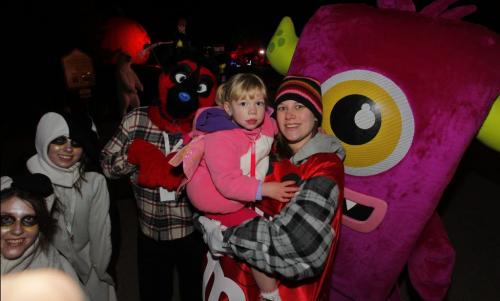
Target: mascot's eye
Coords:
[(371, 116), (180, 77), (202, 88), (205, 85)]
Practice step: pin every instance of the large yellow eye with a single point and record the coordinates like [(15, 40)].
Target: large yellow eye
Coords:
[(371, 116)]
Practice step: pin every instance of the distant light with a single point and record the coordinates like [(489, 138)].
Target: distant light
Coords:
[(262, 51), (127, 35)]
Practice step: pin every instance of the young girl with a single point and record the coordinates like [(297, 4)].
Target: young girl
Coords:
[(237, 142), (63, 146)]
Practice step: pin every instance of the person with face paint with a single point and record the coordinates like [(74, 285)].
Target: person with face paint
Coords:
[(65, 144), (27, 227)]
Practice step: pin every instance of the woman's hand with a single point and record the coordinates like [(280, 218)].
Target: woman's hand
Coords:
[(280, 191)]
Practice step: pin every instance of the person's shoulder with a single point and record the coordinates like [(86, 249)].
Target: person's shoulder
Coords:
[(204, 113), (328, 164), (137, 116), (330, 157), (139, 112)]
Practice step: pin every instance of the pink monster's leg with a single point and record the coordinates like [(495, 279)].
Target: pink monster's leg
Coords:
[(431, 262)]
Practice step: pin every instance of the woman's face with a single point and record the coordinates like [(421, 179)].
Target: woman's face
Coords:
[(19, 227), (296, 123), (64, 152)]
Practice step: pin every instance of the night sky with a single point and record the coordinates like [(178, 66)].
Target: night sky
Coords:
[(57, 26), (40, 33)]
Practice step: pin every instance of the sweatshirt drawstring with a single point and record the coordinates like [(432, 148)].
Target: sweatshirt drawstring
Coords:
[(252, 159)]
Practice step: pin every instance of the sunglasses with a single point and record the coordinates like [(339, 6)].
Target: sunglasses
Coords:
[(8, 220), (62, 140)]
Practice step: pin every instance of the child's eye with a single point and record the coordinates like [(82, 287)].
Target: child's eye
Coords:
[(299, 106), (243, 103), (261, 103), (280, 108)]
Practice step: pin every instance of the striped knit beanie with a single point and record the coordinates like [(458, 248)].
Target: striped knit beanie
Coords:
[(305, 90)]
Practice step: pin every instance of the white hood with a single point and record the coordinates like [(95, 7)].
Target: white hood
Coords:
[(51, 126)]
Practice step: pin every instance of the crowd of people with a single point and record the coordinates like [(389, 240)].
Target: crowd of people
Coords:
[(218, 172)]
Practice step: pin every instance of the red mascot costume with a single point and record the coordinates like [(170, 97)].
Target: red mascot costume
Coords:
[(141, 148)]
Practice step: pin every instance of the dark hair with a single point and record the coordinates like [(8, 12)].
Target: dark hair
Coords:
[(46, 223), (81, 171), (80, 129)]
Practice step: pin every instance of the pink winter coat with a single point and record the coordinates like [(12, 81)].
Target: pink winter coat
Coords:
[(222, 182)]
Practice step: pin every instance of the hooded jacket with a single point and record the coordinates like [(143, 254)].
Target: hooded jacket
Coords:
[(223, 183), (84, 234)]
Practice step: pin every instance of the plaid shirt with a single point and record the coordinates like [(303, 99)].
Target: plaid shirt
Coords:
[(296, 242), (158, 220)]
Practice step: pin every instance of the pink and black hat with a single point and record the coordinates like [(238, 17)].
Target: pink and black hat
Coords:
[(305, 90)]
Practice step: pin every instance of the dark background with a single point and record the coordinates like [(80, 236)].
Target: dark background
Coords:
[(39, 33)]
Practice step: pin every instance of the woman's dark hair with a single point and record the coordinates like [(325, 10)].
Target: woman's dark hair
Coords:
[(81, 171), (33, 189), (281, 148), (81, 130)]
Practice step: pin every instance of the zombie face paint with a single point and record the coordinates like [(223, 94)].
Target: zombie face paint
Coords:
[(19, 227)]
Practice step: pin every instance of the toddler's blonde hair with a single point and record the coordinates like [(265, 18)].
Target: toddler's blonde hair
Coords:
[(240, 86)]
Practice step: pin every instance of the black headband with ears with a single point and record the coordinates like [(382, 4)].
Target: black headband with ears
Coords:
[(37, 183)]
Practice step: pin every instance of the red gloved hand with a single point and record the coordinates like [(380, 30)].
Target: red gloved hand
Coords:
[(141, 149), (154, 169)]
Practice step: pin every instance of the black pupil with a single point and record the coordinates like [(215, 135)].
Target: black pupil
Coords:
[(342, 119)]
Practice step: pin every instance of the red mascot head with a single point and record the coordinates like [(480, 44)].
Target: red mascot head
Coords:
[(188, 86)]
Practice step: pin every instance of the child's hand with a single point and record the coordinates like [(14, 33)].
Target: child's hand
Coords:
[(280, 191)]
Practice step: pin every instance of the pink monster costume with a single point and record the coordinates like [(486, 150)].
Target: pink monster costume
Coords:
[(405, 92)]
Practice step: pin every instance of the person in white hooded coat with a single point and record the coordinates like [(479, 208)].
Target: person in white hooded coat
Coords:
[(84, 234)]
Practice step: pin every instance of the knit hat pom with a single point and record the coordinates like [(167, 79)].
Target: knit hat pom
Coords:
[(305, 90)]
